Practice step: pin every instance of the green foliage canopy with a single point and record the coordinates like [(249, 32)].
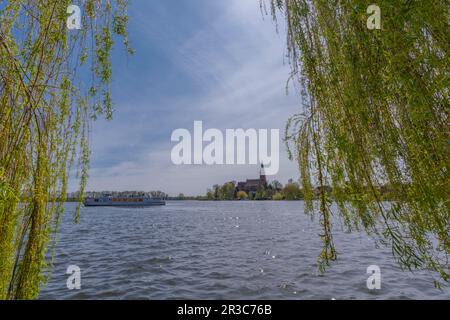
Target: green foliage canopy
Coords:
[(242, 195), (292, 192), (52, 82), (375, 111)]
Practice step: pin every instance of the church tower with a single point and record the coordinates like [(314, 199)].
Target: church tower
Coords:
[(262, 176)]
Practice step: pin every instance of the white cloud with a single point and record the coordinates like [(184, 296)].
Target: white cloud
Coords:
[(237, 61)]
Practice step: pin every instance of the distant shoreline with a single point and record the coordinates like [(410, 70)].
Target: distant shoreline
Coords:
[(204, 200)]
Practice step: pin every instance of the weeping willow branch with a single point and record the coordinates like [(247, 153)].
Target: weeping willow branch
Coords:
[(46, 107), (375, 120)]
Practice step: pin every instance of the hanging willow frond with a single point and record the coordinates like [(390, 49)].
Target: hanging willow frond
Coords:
[(377, 103), (46, 104)]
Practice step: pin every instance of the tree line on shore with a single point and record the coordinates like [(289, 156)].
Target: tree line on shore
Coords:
[(274, 191), (228, 191)]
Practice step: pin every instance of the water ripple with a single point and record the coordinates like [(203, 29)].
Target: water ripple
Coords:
[(220, 250)]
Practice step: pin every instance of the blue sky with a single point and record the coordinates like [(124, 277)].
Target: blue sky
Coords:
[(219, 61)]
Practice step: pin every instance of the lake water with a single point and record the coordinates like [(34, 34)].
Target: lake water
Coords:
[(220, 250)]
